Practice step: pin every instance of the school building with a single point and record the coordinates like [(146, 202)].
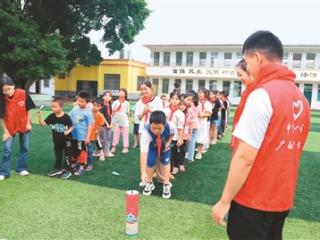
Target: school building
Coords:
[(213, 66), (110, 74)]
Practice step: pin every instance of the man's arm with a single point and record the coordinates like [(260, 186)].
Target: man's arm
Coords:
[(6, 133), (40, 119)]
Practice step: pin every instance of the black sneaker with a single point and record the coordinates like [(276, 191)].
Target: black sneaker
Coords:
[(148, 189), (55, 172), (166, 191), (66, 175)]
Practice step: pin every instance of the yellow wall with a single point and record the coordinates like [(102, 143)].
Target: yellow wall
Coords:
[(128, 70)]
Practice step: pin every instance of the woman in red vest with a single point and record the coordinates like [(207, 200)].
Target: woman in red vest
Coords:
[(15, 118), (271, 121)]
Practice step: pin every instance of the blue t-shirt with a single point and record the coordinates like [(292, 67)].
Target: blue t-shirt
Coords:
[(81, 119)]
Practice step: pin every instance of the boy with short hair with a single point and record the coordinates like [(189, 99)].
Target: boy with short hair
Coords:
[(94, 138), (82, 120), (155, 144), (61, 125)]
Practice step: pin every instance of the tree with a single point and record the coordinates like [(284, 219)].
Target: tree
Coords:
[(40, 38)]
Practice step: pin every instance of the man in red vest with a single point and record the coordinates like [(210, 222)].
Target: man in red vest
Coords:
[(271, 126)]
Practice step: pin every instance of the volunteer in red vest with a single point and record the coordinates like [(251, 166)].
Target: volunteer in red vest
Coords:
[(270, 129), (15, 119)]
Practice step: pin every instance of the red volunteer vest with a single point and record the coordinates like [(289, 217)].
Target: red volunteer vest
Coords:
[(16, 112), (272, 180)]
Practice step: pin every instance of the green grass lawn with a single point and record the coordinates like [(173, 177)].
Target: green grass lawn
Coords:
[(93, 206)]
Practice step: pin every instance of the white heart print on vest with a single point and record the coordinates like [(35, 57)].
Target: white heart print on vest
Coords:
[(297, 109)]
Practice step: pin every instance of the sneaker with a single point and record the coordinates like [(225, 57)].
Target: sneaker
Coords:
[(213, 142), (79, 172), (142, 184), (55, 172), (175, 170), (102, 158), (24, 173), (96, 154), (89, 168), (166, 191), (125, 150), (66, 175), (109, 155), (198, 156), (148, 189), (186, 157), (204, 150), (2, 177)]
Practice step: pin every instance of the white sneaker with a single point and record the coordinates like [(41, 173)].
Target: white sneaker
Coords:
[(125, 150), (198, 156), (147, 191), (213, 142), (204, 150), (109, 155), (101, 158), (142, 184), (24, 173), (166, 191), (2, 177), (186, 157)]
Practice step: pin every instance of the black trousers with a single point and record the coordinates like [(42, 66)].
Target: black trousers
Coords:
[(63, 153), (177, 154), (250, 224)]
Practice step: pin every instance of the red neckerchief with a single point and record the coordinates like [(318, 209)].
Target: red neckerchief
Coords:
[(159, 145), (107, 106), (172, 111), (145, 100), (121, 100), (267, 73)]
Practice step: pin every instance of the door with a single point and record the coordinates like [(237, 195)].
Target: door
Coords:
[(307, 91), (88, 86)]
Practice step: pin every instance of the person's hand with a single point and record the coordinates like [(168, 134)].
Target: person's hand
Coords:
[(28, 126), (66, 133), (5, 136), (180, 142), (147, 109), (39, 114), (219, 211)]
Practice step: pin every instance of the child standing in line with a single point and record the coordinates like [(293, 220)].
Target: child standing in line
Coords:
[(61, 126), (214, 119), (155, 144), (94, 138), (204, 111), (106, 132), (136, 125), (177, 119), (82, 120), (121, 110)]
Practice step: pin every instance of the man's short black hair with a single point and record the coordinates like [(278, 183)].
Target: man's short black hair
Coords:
[(58, 100), (85, 95), (158, 117), (266, 42)]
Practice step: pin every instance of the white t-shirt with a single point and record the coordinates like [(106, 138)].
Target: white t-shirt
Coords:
[(255, 118), (146, 139), (155, 104), (136, 114), (120, 118), (177, 121)]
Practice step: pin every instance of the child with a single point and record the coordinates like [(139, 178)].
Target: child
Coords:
[(177, 119), (61, 126), (105, 133), (214, 119), (155, 144), (136, 124), (192, 101), (121, 109), (165, 102), (204, 111), (15, 118), (82, 120), (94, 138)]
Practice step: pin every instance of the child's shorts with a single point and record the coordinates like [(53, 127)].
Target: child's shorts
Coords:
[(136, 128), (153, 156), (79, 150)]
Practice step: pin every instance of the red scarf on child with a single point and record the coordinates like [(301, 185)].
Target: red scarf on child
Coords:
[(159, 145), (173, 109), (121, 100), (267, 73), (145, 100)]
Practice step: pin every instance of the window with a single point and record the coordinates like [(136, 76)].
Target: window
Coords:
[(203, 58), (189, 84), (296, 60), (178, 81), (237, 87), (285, 58), (112, 81), (156, 58), (311, 57), (318, 97), (212, 84), (179, 58), (62, 76), (165, 85), (214, 59), (166, 59), (227, 59), (202, 84), (226, 87), (139, 80), (46, 83), (189, 59)]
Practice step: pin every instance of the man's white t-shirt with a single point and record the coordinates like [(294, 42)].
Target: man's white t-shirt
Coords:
[(255, 118), (146, 139)]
